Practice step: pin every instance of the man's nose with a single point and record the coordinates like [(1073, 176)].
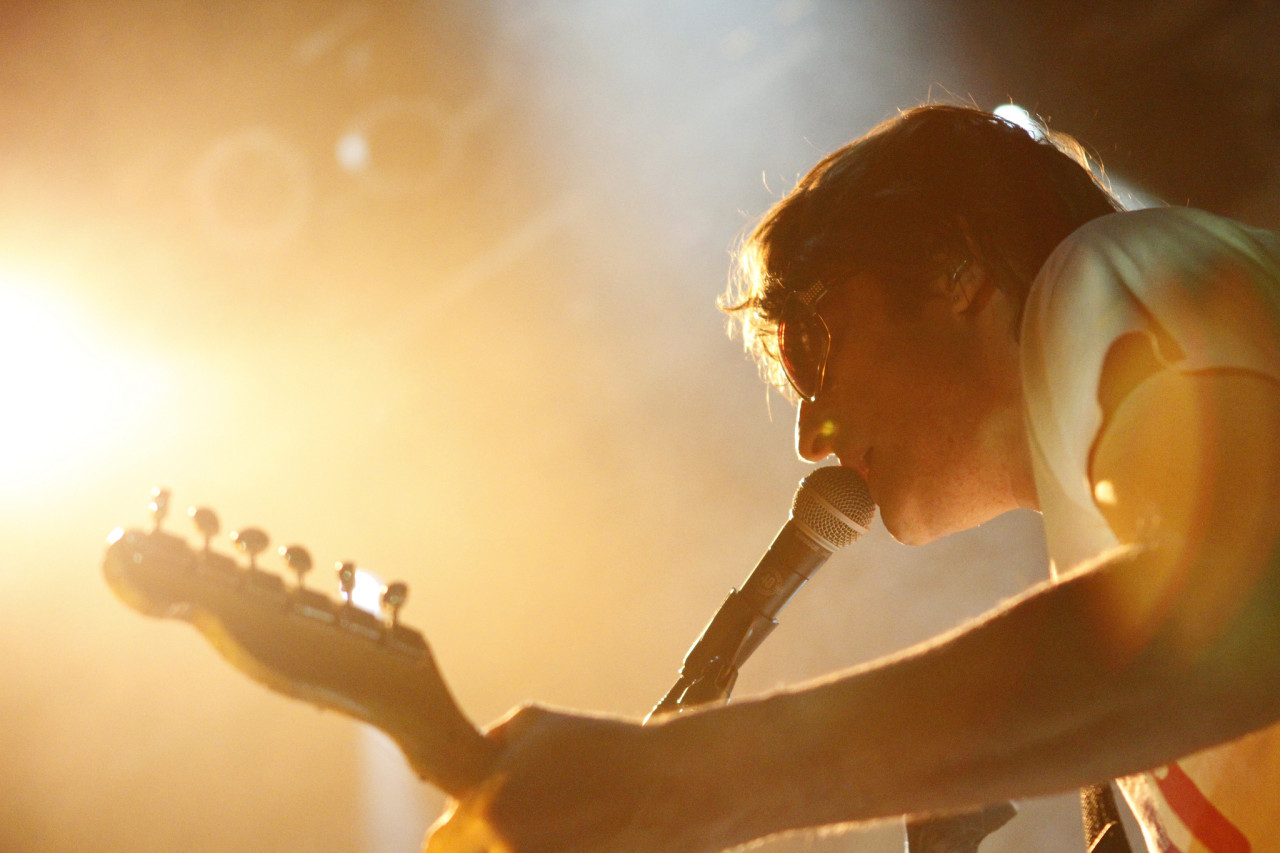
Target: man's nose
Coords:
[(814, 432)]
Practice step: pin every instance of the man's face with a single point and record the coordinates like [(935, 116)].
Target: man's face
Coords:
[(924, 403)]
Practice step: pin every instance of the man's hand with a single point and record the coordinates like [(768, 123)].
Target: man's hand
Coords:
[(567, 783)]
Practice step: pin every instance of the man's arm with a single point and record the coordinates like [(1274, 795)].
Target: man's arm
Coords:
[(1167, 645)]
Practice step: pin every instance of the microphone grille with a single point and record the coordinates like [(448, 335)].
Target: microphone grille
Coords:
[(834, 506)]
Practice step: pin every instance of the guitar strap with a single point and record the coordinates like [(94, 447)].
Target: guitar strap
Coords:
[(1103, 830), (964, 832)]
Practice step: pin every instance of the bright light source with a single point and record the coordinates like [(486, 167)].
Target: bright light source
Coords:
[(63, 392), (1023, 119)]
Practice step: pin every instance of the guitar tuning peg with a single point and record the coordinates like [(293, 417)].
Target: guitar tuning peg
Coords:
[(393, 598), (159, 505), (298, 559), (346, 580), (251, 541), (206, 521)]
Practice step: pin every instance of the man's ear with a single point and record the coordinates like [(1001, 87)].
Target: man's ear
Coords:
[(970, 288)]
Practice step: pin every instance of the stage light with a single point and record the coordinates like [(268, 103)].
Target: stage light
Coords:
[(1023, 119), (64, 391)]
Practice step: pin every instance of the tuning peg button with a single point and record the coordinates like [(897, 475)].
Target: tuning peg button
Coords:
[(347, 579), (298, 560), (159, 505), (393, 598), (251, 541), (206, 521)]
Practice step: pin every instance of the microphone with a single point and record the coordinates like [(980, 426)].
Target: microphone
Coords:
[(831, 509)]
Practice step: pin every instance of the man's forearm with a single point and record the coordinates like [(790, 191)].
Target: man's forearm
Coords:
[(1022, 702)]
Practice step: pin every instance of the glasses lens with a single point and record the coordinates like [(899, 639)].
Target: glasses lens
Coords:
[(803, 341)]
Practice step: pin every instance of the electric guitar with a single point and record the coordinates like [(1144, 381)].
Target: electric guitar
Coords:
[(302, 643)]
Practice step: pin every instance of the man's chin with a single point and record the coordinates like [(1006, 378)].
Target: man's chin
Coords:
[(907, 527), (912, 524)]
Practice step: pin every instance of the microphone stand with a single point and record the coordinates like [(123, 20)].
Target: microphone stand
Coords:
[(710, 671)]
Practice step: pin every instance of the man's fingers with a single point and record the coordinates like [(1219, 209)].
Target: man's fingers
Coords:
[(464, 827), (514, 726)]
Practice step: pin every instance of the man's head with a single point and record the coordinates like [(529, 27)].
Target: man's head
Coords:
[(918, 197), (914, 247)]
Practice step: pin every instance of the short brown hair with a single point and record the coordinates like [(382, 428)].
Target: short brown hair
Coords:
[(911, 200)]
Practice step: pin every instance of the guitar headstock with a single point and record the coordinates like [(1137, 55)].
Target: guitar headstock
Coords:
[(299, 641)]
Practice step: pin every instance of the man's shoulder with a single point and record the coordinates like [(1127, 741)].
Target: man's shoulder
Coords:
[(1159, 246), (1153, 228), (1158, 235), (1149, 221)]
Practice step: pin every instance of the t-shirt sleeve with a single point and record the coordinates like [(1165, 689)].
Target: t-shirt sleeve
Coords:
[(1207, 285)]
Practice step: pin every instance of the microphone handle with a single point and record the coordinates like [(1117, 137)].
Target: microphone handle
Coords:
[(743, 621)]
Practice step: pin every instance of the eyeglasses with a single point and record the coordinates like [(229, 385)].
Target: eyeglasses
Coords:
[(804, 341)]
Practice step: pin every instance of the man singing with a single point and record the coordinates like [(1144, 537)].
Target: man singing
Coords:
[(969, 323)]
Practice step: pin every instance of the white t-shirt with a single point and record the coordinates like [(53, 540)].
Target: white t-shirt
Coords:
[(1212, 286)]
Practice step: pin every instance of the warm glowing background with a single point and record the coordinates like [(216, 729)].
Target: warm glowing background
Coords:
[(431, 287)]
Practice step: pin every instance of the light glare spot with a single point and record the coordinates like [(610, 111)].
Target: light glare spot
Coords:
[(1017, 115), (367, 594), (352, 152)]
